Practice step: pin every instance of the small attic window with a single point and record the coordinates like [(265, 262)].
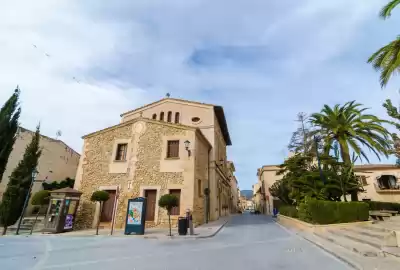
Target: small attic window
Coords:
[(195, 119)]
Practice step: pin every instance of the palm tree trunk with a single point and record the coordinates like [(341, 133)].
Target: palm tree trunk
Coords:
[(169, 221), (98, 220), (34, 223), (345, 154)]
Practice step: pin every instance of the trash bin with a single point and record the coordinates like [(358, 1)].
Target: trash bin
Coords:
[(182, 226)]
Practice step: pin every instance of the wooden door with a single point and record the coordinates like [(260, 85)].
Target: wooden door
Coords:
[(151, 196), (108, 207)]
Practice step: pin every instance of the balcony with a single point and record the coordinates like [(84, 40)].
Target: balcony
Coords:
[(387, 184)]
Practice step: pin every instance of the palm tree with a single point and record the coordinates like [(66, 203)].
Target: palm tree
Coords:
[(386, 59), (350, 128)]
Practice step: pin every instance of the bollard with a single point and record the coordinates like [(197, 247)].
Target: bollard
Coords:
[(190, 221)]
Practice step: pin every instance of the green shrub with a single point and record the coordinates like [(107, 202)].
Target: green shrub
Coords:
[(383, 206), (288, 210), (328, 212)]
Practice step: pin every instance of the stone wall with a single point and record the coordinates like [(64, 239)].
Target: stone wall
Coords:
[(144, 163), (148, 163), (201, 173), (95, 172)]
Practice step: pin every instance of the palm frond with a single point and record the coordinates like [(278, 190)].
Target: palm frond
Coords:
[(386, 11)]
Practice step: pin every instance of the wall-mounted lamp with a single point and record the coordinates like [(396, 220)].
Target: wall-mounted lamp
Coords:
[(187, 145)]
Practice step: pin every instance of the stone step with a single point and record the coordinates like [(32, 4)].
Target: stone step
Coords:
[(363, 239), (351, 245), (366, 231)]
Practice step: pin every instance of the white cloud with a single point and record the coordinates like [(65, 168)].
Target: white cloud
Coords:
[(45, 45), (126, 53)]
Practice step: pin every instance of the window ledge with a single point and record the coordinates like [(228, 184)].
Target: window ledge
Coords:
[(172, 158), (119, 161)]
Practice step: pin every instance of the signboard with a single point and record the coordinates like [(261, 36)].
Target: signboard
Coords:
[(135, 216), (69, 219)]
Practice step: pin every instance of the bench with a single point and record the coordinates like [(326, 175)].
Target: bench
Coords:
[(393, 213), (378, 215)]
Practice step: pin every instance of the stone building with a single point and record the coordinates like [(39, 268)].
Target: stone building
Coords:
[(234, 205), (169, 146), (57, 162)]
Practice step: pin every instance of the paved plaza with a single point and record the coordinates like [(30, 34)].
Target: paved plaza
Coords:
[(246, 242)]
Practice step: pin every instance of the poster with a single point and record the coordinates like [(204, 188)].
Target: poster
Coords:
[(68, 221), (135, 213)]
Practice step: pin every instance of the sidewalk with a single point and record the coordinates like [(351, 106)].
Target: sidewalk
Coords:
[(203, 231)]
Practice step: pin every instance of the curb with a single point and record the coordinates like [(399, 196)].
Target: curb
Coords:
[(214, 233), (321, 246), (341, 258), (174, 237)]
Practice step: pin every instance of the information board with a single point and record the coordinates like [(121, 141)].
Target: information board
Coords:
[(135, 216)]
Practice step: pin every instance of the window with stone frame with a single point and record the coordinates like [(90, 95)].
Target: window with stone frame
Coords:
[(121, 151), (173, 149), (169, 117), (176, 210)]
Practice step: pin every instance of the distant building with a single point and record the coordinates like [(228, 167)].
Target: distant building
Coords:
[(57, 161)]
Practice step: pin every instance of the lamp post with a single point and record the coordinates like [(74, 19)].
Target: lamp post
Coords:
[(187, 145), (317, 139), (33, 177)]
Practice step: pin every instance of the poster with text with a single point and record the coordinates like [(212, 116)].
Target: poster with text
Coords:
[(135, 213), (68, 221)]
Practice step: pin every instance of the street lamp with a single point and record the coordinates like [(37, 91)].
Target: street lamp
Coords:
[(187, 145), (317, 139), (33, 177)]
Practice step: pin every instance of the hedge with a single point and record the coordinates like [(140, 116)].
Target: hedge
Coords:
[(288, 210), (383, 206), (328, 212)]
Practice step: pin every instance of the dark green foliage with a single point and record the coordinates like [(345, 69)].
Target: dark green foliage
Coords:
[(100, 196), (9, 115), (280, 189), (168, 201), (288, 210), (19, 184), (41, 197), (68, 182), (383, 206), (328, 212)]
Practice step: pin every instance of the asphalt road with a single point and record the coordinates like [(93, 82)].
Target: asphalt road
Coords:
[(247, 242)]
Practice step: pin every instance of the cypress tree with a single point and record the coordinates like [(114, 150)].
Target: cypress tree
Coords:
[(9, 115), (19, 184)]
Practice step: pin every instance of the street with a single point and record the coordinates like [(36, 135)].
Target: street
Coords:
[(246, 242)]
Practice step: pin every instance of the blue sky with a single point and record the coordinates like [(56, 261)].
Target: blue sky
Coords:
[(82, 63)]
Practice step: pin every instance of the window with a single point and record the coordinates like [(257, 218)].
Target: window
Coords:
[(363, 180), (121, 151), (169, 117), (195, 119), (173, 149), (176, 210), (162, 116), (199, 188), (154, 116), (177, 118)]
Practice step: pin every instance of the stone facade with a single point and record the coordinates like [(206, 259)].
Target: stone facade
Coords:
[(143, 170), (146, 132)]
